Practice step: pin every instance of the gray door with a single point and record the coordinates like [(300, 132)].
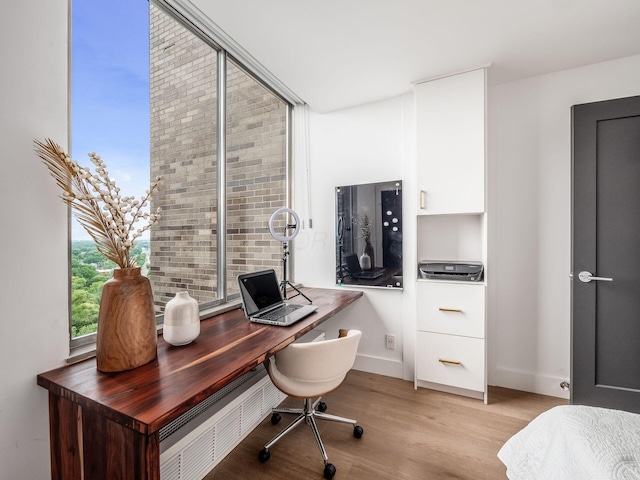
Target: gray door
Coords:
[(605, 364)]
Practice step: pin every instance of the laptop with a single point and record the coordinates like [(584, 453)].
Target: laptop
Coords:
[(263, 303), (354, 269)]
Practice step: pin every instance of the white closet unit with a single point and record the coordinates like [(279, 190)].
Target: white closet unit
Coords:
[(451, 226)]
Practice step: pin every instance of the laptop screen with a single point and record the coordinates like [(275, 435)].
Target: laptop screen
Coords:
[(259, 290), (353, 264)]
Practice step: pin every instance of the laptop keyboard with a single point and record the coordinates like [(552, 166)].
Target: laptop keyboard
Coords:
[(280, 312)]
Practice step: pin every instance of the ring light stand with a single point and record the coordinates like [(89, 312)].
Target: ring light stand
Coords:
[(285, 239)]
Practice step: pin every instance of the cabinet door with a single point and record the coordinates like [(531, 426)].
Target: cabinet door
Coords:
[(450, 128), (450, 360), (452, 308)]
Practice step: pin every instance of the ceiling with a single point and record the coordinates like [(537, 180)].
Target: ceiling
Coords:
[(336, 54)]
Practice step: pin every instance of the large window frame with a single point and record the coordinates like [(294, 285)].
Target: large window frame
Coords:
[(226, 49)]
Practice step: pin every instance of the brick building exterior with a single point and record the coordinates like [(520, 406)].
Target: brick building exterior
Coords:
[(184, 151)]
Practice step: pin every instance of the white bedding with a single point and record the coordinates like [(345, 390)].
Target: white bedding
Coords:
[(575, 443)]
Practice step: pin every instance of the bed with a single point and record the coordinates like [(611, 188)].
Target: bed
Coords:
[(573, 442)]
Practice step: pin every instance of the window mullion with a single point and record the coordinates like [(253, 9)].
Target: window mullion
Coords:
[(222, 176)]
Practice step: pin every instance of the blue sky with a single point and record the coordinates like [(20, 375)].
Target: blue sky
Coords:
[(110, 90)]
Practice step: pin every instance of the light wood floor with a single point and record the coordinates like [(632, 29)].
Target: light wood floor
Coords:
[(408, 435)]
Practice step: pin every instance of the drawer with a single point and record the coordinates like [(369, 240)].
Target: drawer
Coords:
[(450, 360), (452, 308)]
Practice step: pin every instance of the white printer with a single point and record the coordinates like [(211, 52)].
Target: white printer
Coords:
[(446, 270)]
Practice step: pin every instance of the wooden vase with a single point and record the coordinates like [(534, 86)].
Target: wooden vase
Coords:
[(127, 336)]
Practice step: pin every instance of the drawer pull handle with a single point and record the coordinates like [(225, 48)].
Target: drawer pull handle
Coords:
[(450, 362), (422, 199), (456, 310)]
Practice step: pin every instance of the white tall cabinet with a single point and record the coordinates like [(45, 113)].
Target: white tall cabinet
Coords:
[(451, 226)]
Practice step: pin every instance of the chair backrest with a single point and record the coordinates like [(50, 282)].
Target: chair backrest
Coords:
[(325, 362)]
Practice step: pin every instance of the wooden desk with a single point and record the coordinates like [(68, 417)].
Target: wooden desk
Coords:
[(105, 425)]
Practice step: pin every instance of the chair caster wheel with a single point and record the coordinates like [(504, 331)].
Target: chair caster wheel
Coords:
[(264, 455), (358, 431), (322, 407), (275, 418), (329, 471)]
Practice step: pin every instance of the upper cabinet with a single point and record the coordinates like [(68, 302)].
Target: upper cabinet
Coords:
[(450, 127)]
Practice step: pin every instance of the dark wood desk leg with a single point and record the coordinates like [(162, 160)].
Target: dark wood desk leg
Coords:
[(65, 432), (115, 452), (87, 446)]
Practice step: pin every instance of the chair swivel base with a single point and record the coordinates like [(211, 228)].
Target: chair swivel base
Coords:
[(309, 413)]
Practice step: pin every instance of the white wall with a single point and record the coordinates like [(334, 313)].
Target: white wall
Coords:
[(353, 146), (529, 144), (530, 205), (33, 286)]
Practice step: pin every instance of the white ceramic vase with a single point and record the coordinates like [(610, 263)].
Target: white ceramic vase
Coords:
[(181, 320), (365, 261)]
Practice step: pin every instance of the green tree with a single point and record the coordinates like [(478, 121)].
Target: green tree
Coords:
[(84, 313), (86, 291), (87, 282), (85, 271), (93, 257), (78, 283)]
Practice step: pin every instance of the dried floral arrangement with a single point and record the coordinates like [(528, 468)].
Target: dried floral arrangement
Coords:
[(109, 218), (364, 224)]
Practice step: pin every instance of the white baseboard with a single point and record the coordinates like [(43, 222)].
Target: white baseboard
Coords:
[(529, 382), (379, 366)]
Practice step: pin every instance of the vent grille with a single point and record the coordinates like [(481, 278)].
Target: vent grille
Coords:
[(193, 444), (182, 420), (252, 410), (204, 441), (171, 468), (228, 432), (199, 455)]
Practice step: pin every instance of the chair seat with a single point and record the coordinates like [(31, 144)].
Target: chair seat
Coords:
[(301, 388)]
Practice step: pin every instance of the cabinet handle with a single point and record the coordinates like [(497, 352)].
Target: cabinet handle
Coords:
[(456, 310), (450, 362), (422, 199)]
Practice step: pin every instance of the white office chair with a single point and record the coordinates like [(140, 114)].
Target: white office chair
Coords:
[(307, 371)]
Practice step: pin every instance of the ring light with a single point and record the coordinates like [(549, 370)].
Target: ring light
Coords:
[(285, 239), (296, 226)]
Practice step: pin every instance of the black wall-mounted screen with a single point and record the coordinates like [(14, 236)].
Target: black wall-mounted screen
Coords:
[(369, 227)]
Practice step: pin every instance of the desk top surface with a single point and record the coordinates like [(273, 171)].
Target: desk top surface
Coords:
[(151, 396)]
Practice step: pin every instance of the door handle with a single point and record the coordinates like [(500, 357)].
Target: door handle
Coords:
[(586, 277)]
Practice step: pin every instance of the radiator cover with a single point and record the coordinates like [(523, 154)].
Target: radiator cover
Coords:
[(194, 443), (196, 447)]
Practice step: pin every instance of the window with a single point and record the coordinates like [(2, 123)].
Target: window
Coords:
[(187, 128), (109, 116), (184, 151), (256, 173)]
